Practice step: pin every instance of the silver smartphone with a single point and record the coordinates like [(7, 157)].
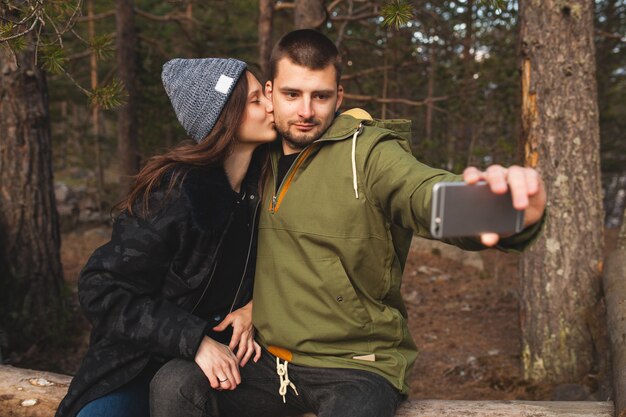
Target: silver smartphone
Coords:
[(460, 210)]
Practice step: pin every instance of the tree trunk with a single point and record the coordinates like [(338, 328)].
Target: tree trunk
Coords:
[(309, 14), (468, 87), (383, 112), (95, 110), (432, 56), (31, 276), (126, 42), (621, 239), (266, 19), (615, 297), (561, 271)]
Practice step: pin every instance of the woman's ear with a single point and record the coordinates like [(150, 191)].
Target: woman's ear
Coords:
[(268, 89)]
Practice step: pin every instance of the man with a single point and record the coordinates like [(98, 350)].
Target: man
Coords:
[(338, 214)]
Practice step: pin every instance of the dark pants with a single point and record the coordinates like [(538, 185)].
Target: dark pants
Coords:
[(180, 388)]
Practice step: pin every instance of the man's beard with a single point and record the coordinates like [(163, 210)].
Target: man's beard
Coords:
[(300, 140)]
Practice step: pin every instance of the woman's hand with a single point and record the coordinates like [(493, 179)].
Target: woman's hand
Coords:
[(219, 364), (243, 334)]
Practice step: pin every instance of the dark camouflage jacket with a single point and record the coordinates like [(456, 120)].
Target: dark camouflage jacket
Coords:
[(139, 289)]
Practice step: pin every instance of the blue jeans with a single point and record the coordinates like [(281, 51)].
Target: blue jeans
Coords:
[(130, 400)]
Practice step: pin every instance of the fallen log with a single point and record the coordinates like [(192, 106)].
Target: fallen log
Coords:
[(446, 408), (615, 297), (24, 392)]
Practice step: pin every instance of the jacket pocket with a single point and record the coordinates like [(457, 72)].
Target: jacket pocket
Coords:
[(302, 303), (341, 290), (176, 284)]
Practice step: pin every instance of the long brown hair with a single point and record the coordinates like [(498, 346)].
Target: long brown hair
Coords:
[(210, 152)]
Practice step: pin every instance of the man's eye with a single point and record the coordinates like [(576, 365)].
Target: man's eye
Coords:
[(321, 96), (291, 95)]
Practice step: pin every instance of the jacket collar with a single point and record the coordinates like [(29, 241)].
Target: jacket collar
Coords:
[(210, 196)]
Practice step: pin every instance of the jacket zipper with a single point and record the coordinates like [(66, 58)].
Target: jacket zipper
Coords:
[(245, 269), (279, 193)]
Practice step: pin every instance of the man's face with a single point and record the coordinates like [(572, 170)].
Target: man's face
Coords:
[(305, 102)]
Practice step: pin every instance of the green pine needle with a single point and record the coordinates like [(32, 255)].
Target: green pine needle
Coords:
[(6, 29), (103, 46), (53, 59), (396, 13), (109, 96), (18, 44)]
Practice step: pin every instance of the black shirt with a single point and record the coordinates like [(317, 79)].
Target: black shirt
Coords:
[(228, 279), (284, 163)]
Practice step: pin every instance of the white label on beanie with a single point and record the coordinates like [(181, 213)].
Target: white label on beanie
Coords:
[(223, 84)]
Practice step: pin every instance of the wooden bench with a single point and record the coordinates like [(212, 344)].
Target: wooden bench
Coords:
[(25, 392)]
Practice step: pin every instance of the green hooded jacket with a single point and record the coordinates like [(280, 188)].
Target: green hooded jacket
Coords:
[(333, 241)]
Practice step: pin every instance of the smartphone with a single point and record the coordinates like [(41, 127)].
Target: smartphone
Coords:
[(460, 210)]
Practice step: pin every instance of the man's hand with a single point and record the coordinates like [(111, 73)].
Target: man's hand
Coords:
[(219, 364), (526, 186), (243, 334)]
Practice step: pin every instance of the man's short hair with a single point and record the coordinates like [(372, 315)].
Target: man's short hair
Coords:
[(308, 48)]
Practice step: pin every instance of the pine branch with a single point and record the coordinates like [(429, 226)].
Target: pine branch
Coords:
[(284, 6), (157, 44), (54, 26), (98, 16), (363, 16), (615, 35), (359, 97), (334, 4), (373, 71), (21, 34), (73, 17), (170, 17)]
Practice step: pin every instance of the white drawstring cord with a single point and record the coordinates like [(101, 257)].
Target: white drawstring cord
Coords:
[(281, 370), (354, 179)]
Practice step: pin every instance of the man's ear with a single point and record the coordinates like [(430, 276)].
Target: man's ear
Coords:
[(268, 89), (339, 97)]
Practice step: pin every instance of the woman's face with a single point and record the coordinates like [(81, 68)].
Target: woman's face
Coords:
[(257, 125)]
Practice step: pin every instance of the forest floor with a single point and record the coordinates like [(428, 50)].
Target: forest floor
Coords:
[(463, 311)]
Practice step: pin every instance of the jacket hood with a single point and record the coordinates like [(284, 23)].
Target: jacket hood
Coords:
[(349, 121), (351, 124)]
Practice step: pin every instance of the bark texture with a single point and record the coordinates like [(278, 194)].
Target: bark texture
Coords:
[(560, 133), (126, 40), (615, 293), (31, 276), (309, 14), (266, 19)]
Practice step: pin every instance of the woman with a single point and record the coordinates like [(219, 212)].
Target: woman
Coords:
[(175, 281)]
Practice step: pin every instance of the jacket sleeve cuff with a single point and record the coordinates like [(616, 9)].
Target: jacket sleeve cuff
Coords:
[(191, 336), (522, 240)]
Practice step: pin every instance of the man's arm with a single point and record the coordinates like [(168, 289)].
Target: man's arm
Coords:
[(402, 187)]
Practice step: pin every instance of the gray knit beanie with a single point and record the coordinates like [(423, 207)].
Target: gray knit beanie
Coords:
[(199, 89)]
